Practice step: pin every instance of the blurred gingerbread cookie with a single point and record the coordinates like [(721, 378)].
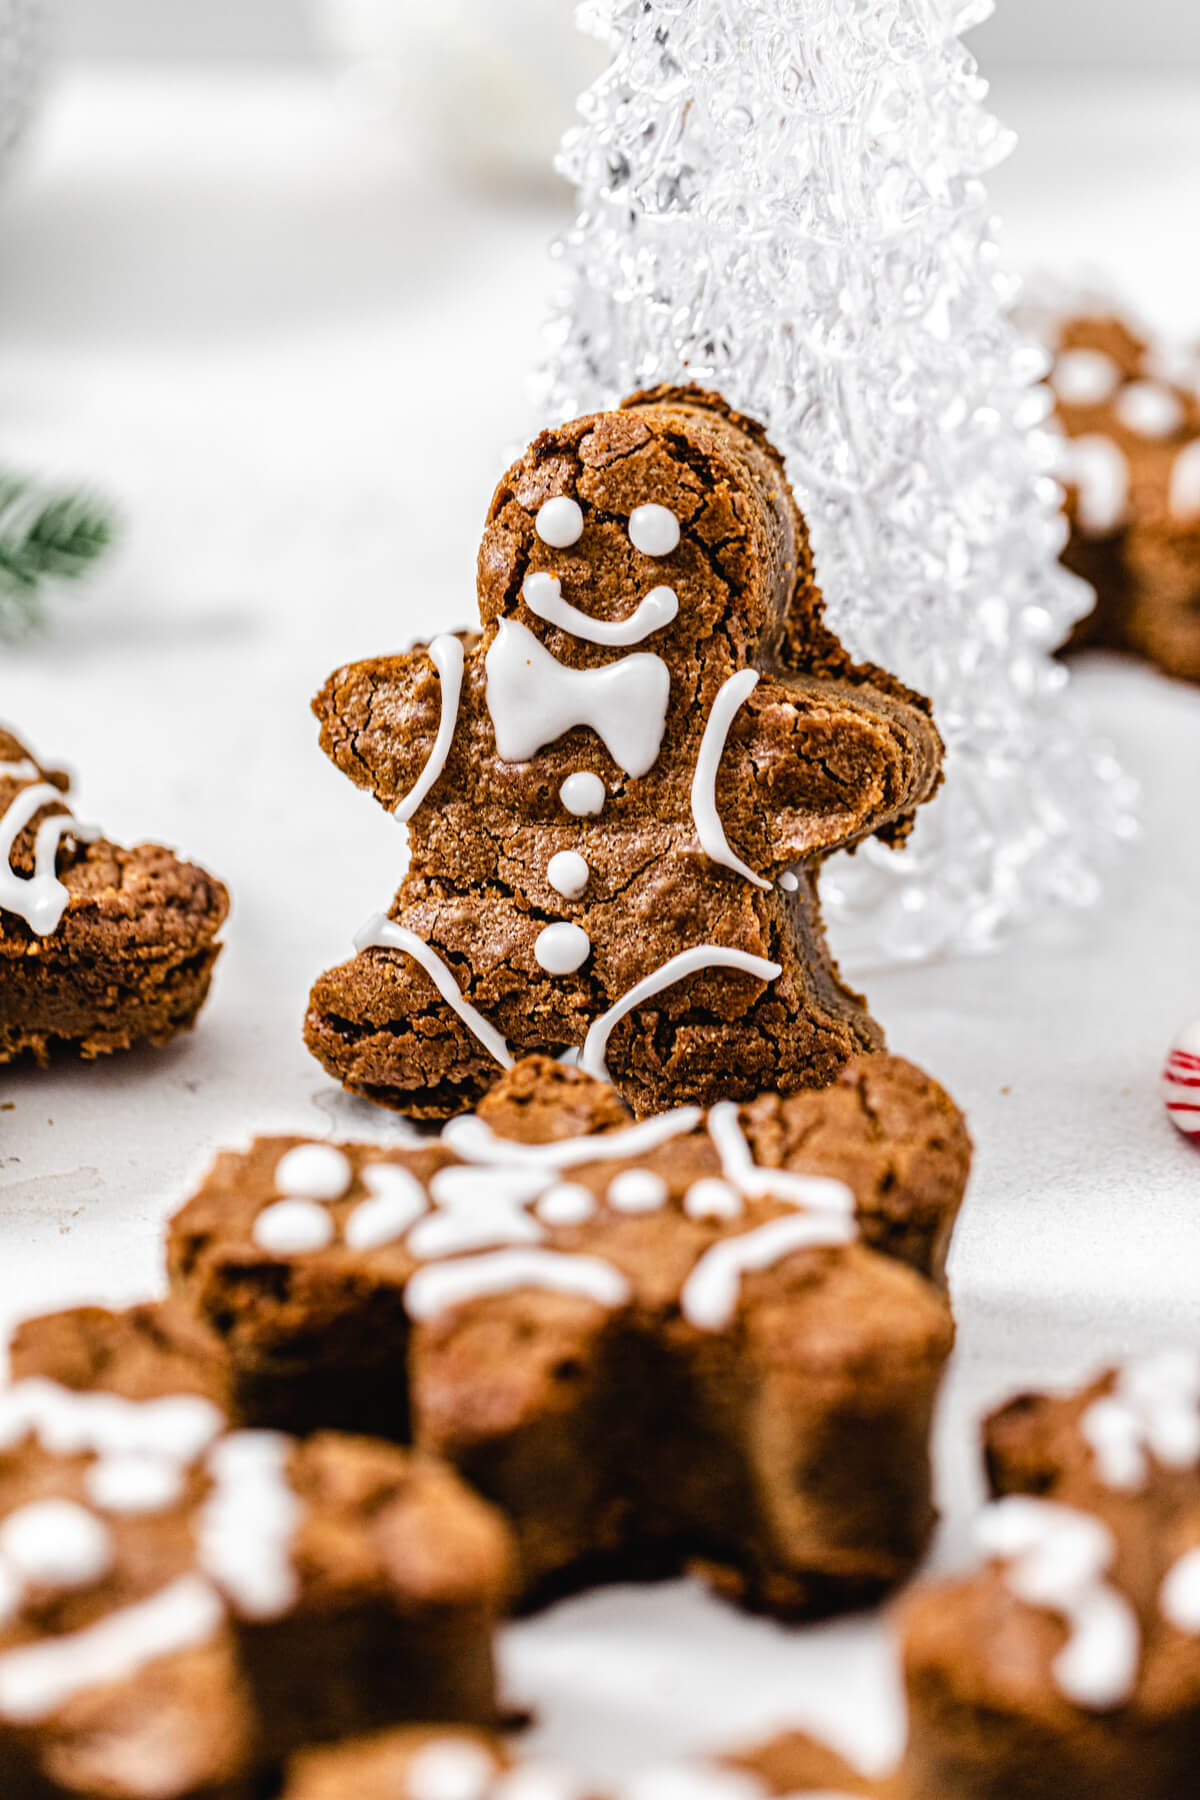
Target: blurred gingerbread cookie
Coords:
[(100, 947), (1129, 410)]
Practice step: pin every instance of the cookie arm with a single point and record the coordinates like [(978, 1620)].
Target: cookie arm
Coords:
[(381, 719), (815, 765)]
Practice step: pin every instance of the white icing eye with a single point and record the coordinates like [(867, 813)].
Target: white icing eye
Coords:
[(583, 795), (712, 1199), (313, 1172), (55, 1543), (566, 1203), (637, 1191), (291, 1227), (562, 948), (1149, 410), (1085, 377), (567, 873), (560, 522), (653, 530), (134, 1484)]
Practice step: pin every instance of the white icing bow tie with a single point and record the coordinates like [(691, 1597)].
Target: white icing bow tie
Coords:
[(533, 699)]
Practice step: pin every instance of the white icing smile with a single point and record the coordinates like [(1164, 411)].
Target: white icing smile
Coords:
[(542, 594), (533, 699)]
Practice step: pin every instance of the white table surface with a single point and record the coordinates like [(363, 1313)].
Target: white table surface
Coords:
[(302, 379)]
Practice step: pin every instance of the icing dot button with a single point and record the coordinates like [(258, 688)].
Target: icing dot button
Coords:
[(654, 530), (313, 1172), (583, 794), (637, 1191), (566, 1203), (560, 522), (562, 948), (291, 1227), (56, 1543), (789, 881), (712, 1199), (568, 872)]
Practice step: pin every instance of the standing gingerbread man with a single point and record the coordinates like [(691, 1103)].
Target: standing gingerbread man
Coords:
[(619, 793)]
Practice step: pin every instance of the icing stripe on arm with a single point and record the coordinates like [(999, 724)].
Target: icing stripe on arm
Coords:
[(385, 934), (446, 654), (687, 962), (41, 898), (709, 828)]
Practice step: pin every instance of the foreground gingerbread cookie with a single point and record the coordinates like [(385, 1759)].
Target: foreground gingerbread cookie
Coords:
[(182, 1607), (1131, 464), (100, 947), (444, 1765), (620, 793), (651, 1344), (1068, 1668)]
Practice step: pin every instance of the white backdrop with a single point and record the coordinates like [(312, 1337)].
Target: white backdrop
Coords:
[(1115, 33)]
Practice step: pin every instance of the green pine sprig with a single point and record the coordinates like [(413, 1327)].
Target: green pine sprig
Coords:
[(45, 537)]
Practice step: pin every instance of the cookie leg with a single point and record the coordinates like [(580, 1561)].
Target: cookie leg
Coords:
[(379, 1026)]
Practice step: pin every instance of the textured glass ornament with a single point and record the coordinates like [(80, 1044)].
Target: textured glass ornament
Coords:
[(785, 199), (22, 45)]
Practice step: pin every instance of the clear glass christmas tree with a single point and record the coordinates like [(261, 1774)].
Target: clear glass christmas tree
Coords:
[(786, 199)]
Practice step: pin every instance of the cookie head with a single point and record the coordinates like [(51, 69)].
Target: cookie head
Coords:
[(658, 543)]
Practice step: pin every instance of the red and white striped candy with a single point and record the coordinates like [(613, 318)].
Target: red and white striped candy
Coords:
[(1181, 1081)]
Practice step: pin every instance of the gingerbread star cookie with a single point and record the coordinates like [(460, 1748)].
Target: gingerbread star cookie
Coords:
[(1069, 1664), (651, 1344), (182, 1606), (1129, 411), (619, 793), (100, 947)]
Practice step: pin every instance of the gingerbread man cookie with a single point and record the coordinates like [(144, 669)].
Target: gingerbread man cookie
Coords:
[(620, 792), (1069, 1665), (100, 947), (649, 1343)]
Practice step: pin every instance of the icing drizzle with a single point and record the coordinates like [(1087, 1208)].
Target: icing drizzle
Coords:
[(447, 656), (710, 1294), (750, 1178), (709, 828), (542, 594), (41, 898), (383, 933), (444, 1285), (1058, 1558), (687, 962)]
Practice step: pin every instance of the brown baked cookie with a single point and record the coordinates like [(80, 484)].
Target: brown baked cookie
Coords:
[(1068, 1667), (145, 1352), (100, 947), (652, 1345), (181, 1607), (1131, 465), (621, 791), (414, 1764)]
